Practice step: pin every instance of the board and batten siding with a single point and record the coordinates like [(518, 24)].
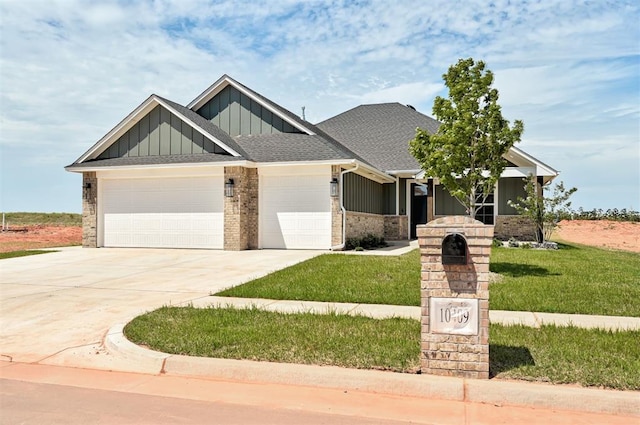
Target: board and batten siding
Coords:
[(510, 188), (363, 195), (445, 204), (237, 114), (160, 133)]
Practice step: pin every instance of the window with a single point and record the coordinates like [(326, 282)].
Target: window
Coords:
[(485, 213)]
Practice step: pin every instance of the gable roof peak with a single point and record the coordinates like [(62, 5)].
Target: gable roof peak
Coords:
[(225, 80)]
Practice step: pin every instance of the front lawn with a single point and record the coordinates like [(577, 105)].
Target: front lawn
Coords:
[(573, 279), (549, 354), (14, 254), (339, 340), (341, 278)]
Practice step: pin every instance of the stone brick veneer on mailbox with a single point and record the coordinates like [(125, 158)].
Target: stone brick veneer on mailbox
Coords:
[(447, 354), (241, 211), (89, 210)]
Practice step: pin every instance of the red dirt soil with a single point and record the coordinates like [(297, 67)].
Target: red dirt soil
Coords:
[(599, 233), (35, 237), (622, 235)]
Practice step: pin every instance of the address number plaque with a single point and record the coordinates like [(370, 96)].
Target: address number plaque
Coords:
[(455, 316)]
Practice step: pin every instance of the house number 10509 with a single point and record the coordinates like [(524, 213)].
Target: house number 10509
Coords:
[(456, 316)]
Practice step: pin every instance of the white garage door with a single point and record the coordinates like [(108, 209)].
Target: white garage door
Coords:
[(295, 212), (163, 212)]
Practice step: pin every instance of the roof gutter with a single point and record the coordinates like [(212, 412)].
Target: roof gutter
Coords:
[(341, 246)]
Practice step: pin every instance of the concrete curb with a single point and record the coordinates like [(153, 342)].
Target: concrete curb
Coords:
[(516, 393)]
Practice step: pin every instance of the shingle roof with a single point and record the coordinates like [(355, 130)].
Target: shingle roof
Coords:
[(302, 123), (154, 160), (380, 133), (287, 147)]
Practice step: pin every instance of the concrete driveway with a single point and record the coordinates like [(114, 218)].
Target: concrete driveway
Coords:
[(56, 308)]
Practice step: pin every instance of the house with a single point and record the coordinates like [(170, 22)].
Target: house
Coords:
[(233, 170)]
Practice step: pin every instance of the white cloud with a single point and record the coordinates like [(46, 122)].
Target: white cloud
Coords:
[(72, 69)]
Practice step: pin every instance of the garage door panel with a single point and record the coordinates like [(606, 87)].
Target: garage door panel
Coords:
[(296, 212), (164, 212)]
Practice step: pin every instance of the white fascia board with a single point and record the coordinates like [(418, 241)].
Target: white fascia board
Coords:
[(118, 130), (542, 169), (373, 173), (523, 172), (211, 91), (299, 163), (135, 116), (363, 169), (405, 173), (239, 163), (225, 81)]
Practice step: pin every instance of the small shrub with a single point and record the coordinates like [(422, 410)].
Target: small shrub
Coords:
[(368, 242), (525, 245), (497, 243), (352, 243)]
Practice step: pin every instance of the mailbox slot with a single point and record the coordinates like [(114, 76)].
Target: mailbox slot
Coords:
[(454, 249)]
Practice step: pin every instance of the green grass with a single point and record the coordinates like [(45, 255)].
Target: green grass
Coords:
[(353, 342), (574, 279), (549, 354), (17, 219), (563, 355), (14, 254), (341, 278)]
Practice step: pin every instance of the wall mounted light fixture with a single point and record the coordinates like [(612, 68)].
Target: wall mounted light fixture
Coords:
[(228, 188), (87, 190), (333, 187)]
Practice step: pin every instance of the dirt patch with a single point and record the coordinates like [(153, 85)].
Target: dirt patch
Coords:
[(600, 233), (622, 235), (35, 237)]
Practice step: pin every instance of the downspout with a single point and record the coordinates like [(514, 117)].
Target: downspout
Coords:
[(343, 209)]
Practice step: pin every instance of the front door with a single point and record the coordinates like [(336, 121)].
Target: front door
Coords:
[(418, 206)]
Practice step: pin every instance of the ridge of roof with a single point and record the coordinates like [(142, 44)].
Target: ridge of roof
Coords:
[(380, 133), (302, 124)]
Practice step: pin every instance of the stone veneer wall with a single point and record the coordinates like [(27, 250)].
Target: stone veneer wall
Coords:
[(336, 211), (361, 224), (89, 210), (241, 211), (515, 226), (396, 227), (448, 354)]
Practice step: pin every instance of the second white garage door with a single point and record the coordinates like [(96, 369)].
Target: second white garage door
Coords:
[(295, 212), (172, 212)]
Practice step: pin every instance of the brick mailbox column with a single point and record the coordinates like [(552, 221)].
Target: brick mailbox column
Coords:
[(455, 297)]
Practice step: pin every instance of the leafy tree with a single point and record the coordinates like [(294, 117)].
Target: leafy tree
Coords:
[(544, 211), (466, 153)]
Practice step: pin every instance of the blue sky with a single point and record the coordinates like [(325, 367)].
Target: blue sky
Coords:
[(71, 70)]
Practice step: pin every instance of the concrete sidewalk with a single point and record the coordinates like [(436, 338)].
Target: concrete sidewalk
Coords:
[(127, 356), (379, 311)]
